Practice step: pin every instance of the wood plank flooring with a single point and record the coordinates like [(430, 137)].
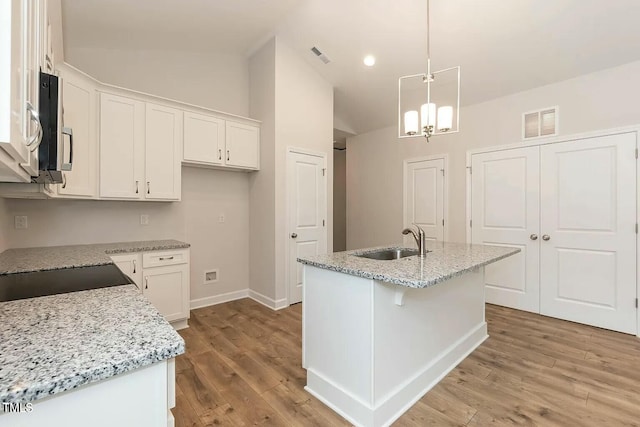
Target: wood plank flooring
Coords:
[(243, 368)]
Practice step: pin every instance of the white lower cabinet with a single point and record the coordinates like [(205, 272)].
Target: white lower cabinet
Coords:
[(131, 265), (162, 277), (570, 207)]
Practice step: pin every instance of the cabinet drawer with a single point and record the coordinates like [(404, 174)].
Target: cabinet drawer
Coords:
[(162, 258)]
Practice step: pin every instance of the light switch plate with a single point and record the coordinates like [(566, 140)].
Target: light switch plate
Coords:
[(144, 219)]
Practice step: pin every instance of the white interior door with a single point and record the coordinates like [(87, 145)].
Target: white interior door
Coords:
[(588, 272), (505, 207), (424, 198), (307, 185)]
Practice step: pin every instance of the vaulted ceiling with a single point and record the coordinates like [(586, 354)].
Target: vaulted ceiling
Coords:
[(503, 46)]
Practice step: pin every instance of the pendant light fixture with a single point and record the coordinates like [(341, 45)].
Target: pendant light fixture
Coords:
[(429, 103)]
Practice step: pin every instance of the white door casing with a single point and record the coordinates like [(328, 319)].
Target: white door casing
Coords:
[(307, 213), (505, 205), (588, 190), (424, 197)]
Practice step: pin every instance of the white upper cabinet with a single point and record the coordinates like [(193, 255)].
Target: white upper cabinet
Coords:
[(163, 152), (213, 141), (242, 145), (79, 114), (203, 139), (20, 53), (122, 140)]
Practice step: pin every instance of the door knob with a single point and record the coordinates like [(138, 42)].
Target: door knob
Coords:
[(294, 235), (534, 237), (546, 237)]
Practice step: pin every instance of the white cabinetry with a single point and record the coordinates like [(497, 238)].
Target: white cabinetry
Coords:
[(131, 265), (203, 139), (162, 277), (570, 207), (243, 145), (163, 152), (140, 146), (79, 113), (20, 48), (121, 147), (213, 141)]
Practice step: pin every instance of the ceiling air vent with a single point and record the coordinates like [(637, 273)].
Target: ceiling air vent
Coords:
[(540, 123), (320, 55)]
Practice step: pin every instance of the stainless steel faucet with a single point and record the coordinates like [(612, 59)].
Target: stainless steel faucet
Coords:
[(420, 238)]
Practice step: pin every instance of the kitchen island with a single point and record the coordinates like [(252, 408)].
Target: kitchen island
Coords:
[(378, 334)]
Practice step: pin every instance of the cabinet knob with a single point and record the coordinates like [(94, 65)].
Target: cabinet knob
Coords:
[(534, 237), (294, 235), (146, 283), (148, 187), (219, 154), (227, 155), (137, 185), (64, 180), (546, 237)]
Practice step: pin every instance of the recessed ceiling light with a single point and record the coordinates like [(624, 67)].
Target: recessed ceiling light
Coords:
[(369, 60)]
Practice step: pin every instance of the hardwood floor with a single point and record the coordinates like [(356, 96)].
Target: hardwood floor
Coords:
[(243, 367)]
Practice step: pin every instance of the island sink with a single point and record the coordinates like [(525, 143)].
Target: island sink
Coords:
[(390, 254)]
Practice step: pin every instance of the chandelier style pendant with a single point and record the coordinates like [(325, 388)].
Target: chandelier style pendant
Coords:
[(440, 113)]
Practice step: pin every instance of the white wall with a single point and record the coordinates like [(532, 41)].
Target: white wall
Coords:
[(601, 100), (339, 200), (303, 105), (218, 81)]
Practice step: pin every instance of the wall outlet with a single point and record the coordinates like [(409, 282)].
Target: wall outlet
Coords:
[(21, 222), (144, 219), (221, 217), (211, 276)]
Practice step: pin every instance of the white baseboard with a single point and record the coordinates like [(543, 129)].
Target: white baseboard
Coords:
[(268, 302), (219, 299)]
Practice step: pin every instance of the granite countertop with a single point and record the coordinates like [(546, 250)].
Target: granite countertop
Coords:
[(446, 260), (26, 260), (56, 343)]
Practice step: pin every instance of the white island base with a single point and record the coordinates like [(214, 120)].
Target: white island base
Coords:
[(372, 349)]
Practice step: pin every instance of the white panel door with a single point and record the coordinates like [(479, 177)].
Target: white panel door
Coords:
[(505, 207), (307, 214), (167, 288), (163, 152), (588, 251), (78, 113), (203, 139), (121, 147), (424, 198), (243, 145)]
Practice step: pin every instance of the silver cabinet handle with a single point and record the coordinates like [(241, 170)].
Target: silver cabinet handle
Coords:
[(148, 187), (534, 237), (64, 180), (294, 235), (166, 258), (546, 237), (227, 155), (219, 154), (37, 138), (146, 283), (134, 266), (137, 185), (67, 166)]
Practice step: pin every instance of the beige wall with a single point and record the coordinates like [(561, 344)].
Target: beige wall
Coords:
[(339, 200), (218, 81), (601, 100), (303, 105)]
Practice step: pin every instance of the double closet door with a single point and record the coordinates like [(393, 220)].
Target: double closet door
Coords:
[(570, 208)]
